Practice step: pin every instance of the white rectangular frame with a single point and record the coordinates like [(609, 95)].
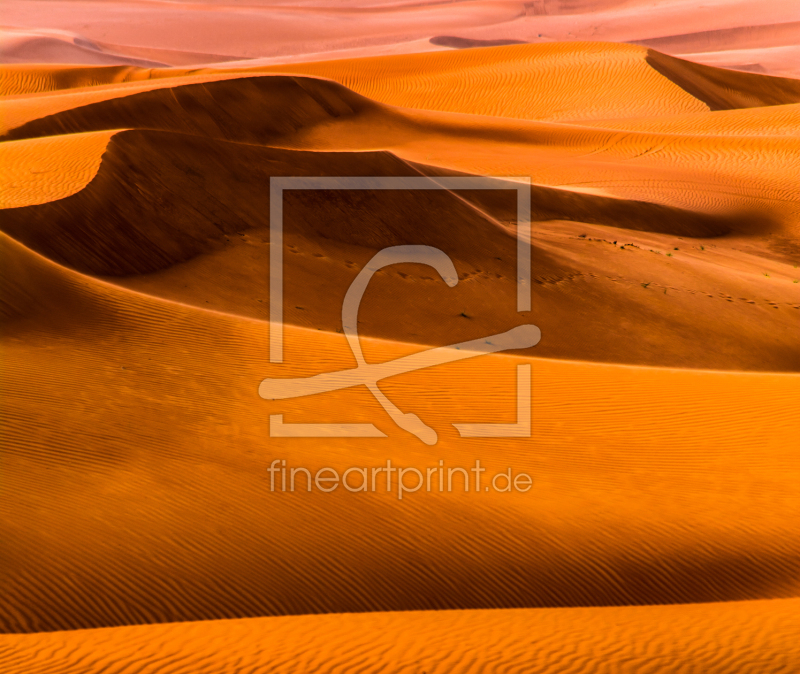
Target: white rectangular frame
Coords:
[(278, 185)]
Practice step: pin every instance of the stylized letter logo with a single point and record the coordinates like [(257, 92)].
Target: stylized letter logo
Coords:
[(518, 338), (369, 375)]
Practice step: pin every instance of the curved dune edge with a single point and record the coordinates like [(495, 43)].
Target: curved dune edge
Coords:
[(18, 110), (710, 174), (202, 237), (36, 78), (50, 168), (731, 638), (517, 81), (118, 234), (527, 81), (680, 487), (615, 80)]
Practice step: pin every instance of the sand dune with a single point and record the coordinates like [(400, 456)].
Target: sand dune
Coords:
[(732, 638), (142, 213), (23, 79), (55, 46), (713, 523), (213, 215), (293, 30), (709, 175), (783, 60), (259, 29), (635, 82), (660, 530), (729, 39), (50, 168)]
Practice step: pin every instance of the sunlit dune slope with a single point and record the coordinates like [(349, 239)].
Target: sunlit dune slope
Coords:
[(560, 81), (19, 109), (200, 235), (26, 78), (140, 419), (743, 178), (49, 168), (731, 638), (783, 120)]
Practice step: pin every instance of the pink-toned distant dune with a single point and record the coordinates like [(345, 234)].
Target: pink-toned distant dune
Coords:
[(755, 36)]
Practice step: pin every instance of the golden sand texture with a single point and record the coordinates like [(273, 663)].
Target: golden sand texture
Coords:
[(731, 638), (660, 530), (146, 223), (652, 485), (47, 169)]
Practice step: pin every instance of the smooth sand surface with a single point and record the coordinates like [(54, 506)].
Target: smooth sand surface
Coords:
[(141, 530)]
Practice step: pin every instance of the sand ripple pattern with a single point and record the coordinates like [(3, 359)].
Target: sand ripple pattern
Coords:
[(651, 486), (733, 638)]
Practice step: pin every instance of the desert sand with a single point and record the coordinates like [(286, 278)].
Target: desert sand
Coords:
[(141, 529), (701, 637), (731, 33)]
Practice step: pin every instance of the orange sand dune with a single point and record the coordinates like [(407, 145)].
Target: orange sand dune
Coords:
[(679, 487), (22, 79), (20, 109), (783, 120), (694, 172), (731, 638), (448, 86), (566, 78), (571, 81), (656, 418), (49, 168), (198, 228)]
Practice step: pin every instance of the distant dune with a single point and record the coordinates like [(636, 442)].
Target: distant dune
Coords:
[(140, 528), (186, 32), (54, 46), (467, 43)]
